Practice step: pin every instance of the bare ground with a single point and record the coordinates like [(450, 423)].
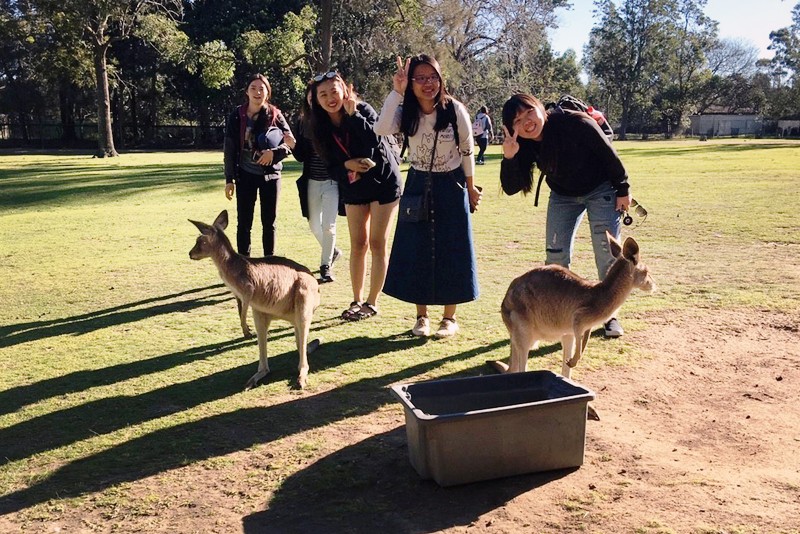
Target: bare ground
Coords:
[(703, 436)]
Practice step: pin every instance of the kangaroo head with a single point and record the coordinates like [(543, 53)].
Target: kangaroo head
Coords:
[(629, 251), (209, 238)]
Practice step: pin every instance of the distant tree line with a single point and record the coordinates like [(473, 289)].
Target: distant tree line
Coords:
[(142, 64)]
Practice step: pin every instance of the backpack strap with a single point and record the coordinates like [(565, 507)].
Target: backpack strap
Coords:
[(538, 187)]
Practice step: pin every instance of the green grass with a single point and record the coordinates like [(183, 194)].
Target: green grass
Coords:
[(123, 358)]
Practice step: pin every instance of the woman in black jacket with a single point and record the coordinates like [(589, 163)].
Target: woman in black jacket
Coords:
[(257, 139), (368, 171), (582, 169)]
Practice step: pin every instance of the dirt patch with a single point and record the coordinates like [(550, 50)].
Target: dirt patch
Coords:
[(703, 436)]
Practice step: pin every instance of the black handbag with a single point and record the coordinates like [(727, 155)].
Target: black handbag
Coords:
[(415, 207)]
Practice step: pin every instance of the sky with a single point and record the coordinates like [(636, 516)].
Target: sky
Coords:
[(749, 20)]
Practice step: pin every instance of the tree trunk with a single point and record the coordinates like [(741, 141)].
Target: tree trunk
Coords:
[(66, 106), (105, 137), (326, 34)]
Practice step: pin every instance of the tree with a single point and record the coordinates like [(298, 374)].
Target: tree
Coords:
[(786, 44), (97, 24), (626, 51), (692, 36)]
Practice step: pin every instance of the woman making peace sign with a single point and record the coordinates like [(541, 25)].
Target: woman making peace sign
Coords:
[(433, 262)]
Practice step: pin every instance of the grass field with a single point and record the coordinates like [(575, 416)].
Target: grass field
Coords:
[(123, 359)]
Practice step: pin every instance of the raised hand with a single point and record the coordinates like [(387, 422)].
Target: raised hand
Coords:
[(400, 78), (350, 100), (510, 144)]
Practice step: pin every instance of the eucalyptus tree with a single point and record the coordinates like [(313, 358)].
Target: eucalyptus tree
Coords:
[(494, 45), (97, 24), (785, 68), (731, 66), (626, 53), (692, 35), (786, 44)]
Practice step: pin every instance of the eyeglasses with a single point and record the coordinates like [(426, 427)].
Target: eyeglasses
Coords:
[(422, 80), (325, 76)]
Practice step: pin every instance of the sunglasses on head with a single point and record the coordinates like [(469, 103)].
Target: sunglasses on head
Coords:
[(325, 76)]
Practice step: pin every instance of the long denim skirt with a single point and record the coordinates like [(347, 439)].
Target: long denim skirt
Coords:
[(433, 262)]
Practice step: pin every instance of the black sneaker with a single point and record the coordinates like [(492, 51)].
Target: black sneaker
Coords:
[(325, 274), (336, 253)]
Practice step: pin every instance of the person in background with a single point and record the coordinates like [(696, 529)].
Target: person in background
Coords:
[(433, 262), (368, 172), (582, 169), (257, 139), (319, 193), (482, 130)]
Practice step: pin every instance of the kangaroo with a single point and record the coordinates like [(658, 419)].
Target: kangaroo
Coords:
[(552, 302), (275, 287)]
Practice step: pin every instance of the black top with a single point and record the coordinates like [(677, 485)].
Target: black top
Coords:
[(574, 154), (234, 132), (358, 139)]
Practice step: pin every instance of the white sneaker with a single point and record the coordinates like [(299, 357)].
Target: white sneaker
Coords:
[(422, 327), (447, 328), (612, 328)]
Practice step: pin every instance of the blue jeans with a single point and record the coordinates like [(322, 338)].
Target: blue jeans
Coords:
[(564, 215), (323, 207)]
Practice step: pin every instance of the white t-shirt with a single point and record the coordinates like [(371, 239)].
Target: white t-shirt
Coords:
[(449, 155)]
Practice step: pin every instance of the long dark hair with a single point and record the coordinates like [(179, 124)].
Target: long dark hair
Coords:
[(409, 120), (322, 127), (267, 112)]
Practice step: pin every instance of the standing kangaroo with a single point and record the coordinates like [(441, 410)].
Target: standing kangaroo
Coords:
[(552, 302), (275, 287)]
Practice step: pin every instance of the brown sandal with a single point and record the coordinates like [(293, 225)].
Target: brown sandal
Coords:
[(367, 310), (351, 313)]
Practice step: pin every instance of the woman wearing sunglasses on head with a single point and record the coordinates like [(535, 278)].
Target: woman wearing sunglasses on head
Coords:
[(432, 261), (257, 139), (369, 174), (582, 169), (319, 193)]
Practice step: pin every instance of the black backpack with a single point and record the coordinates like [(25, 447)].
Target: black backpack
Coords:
[(576, 104)]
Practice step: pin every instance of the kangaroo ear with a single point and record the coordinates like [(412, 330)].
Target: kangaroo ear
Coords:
[(631, 250), (616, 248), (221, 221), (203, 227)]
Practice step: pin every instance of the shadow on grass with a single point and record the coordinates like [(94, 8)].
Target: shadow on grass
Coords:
[(656, 150), (371, 487), (125, 313), (27, 184), (217, 435), (17, 397), (103, 416)]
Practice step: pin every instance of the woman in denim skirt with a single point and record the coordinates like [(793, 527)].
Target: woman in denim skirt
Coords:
[(433, 262), (582, 169)]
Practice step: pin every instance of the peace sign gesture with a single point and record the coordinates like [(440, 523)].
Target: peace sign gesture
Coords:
[(510, 144), (400, 78), (350, 100)]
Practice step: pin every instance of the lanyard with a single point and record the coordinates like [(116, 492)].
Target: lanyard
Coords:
[(342, 145)]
